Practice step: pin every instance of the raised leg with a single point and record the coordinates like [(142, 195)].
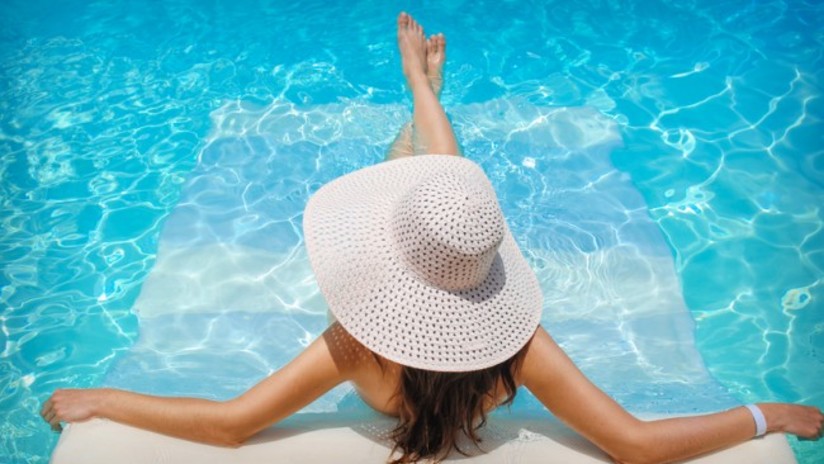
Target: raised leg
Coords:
[(402, 145), (430, 130)]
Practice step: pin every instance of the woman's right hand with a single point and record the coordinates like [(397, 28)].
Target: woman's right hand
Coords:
[(802, 421), (71, 406)]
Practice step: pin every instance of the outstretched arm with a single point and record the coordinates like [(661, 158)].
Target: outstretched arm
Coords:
[(553, 378), (227, 423)]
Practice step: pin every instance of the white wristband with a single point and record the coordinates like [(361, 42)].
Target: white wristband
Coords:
[(758, 417)]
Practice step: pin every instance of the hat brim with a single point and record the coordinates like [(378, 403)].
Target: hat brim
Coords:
[(388, 308)]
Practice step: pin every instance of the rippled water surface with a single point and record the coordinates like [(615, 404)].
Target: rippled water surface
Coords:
[(660, 163)]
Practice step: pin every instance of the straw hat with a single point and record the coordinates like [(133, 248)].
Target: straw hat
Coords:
[(416, 262)]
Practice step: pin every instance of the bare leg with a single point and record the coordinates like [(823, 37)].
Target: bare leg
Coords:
[(435, 58), (407, 143), (402, 145), (433, 131)]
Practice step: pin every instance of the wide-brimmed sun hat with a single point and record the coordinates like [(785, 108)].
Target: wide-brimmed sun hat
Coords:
[(416, 262)]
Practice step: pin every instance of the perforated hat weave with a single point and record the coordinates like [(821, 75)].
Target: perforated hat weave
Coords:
[(416, 262)]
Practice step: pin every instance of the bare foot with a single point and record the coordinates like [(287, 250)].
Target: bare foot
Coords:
[(412, 43), (435, 58)]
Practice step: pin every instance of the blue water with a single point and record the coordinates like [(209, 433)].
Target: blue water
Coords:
[(110, 113)]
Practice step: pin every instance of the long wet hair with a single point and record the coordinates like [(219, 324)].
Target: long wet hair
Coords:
[(437, 407)]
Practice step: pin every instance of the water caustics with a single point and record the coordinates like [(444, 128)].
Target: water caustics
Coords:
[(232, 298)]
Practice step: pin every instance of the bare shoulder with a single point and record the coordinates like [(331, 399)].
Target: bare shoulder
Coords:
[(375, 381), (547, 371), (540, 353)]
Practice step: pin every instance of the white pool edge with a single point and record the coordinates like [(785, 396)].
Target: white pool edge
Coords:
[(322, 441)]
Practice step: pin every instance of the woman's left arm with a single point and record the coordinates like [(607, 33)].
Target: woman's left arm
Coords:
[(226, 423), (553, 378)]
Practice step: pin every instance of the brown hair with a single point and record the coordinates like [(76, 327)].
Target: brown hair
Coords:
[(435, 407)]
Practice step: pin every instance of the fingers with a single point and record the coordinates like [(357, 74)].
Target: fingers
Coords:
[(806, 422), (810, 423), (48, 413), (817, 424), (47, 406)]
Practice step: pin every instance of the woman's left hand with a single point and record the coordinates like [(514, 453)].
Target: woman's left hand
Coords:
[(803, 421), (71, 406)]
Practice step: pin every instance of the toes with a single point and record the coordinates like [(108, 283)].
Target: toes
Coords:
[(440, 42), (436, 47), (407, 22), (414, 25)]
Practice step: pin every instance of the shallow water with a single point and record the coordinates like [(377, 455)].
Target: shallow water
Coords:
[(231, 260), (106, 110)]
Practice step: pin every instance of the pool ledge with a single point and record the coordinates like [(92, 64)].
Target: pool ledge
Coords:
[(312, 440)]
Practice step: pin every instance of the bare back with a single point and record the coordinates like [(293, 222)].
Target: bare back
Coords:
[(377, 382)]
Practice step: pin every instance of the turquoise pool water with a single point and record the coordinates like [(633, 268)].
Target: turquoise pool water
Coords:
[(119, 120)]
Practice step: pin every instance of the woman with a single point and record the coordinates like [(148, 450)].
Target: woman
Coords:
[(437, 317)]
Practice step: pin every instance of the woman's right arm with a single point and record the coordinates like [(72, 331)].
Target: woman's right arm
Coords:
[(228, 423), (555, 380)]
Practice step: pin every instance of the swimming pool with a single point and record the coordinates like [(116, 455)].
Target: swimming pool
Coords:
[(111, 114)]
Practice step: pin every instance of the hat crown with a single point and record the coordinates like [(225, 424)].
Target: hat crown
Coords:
[(448, 229)]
